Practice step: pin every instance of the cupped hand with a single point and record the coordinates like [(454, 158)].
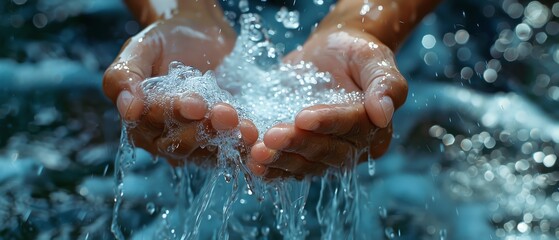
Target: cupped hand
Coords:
[(196, 39), (325, 136)]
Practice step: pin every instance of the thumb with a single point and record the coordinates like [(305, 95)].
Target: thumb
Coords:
[(384, 86), (132, 65)]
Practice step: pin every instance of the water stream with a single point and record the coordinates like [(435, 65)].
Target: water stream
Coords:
[(474, 152)]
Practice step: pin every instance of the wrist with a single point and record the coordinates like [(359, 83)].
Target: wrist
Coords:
[(390, 21), (196, 7), (148, 12)]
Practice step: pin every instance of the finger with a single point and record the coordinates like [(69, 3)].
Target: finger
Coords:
[(248, 131), (224, 117), (257, 169), (385, 88), (181, 143), (274, 173), (200, 156), (380, 141), (341, 120), (190, 106), (260, 154), (140, 137), (130, 106), (314, 147), (133, 64), (185, 109), (384, 95), (297, 165)]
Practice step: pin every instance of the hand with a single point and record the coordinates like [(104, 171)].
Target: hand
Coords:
[(199, 39), (327, 135)]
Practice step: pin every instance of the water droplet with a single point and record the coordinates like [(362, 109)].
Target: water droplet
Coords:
[(371, 163), (318, 2), (382, 212), (150, 207), (389, 233), (243, 6), (442, 234), (289, 19)]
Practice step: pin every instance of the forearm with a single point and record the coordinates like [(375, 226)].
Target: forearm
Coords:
[(388, 20), (149, 11)]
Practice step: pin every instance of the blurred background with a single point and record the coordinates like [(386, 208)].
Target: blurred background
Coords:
[(474, 153)]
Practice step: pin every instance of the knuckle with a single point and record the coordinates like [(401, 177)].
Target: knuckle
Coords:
[(118, 77), (114, 81)]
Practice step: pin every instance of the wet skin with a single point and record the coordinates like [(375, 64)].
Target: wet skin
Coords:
[(345, 44)]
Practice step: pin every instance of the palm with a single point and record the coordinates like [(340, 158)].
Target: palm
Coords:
[(201, 44), (325, 135), (197, 40)]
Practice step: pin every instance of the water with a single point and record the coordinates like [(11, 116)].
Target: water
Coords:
[(467, 162), (262, 89)]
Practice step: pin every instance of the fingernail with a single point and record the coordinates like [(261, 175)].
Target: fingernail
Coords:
[(261, 154), (194, 108), (248, 131), (308, 120), (224, 117), (278, 135), (258, 169), (123, 102), (388, 108)]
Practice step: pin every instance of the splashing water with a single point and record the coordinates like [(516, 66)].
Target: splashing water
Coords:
[(271, 93)]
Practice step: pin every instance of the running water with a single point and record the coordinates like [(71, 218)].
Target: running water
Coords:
[(466, 162), (267, 92)]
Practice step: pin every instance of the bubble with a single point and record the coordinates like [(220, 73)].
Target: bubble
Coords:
[(431, 58), (536, 14), (549, 160), (541, 37), (490, 75), (489, 176), (40, 20), (448, 139), (428, 41), (556, 55), (436, 131), (521, 165), (466, 144), (538, 156), (243, 6), (555, 9), (365, 8), (511, 54), (289, 19), (462, 36), (522, 227), (449, 40), (515, 10), (466, 73), (494, 64), (523, 31)]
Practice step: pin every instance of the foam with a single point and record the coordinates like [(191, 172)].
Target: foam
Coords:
[(253, 81), (262, 89)]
